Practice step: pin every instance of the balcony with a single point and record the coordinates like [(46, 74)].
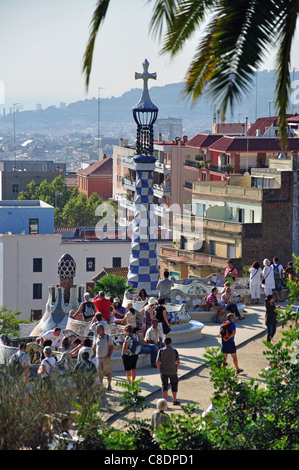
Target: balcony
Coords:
[(165, 169), (128, 184), (162, 190), (129, 163)]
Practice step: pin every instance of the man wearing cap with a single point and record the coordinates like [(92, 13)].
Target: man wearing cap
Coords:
[(102, 305)]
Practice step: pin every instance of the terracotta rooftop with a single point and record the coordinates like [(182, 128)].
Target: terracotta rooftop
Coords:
[(203, 140), (261, 124), (252, 144), (102, 168)]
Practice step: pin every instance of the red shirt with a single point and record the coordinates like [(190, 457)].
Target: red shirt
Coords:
[(103, 306)]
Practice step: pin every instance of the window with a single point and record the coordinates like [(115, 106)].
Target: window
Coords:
[(33, 226), (37, 265), (15, 188), (90, 264), (36, 315), (212, 247), (116, 262), (231, 251), (241, 214), (252, 216), (37, 291)]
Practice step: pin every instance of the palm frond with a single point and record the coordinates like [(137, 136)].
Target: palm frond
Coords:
[(238, 40), (186, 22), (283, 64), (164, 12), (97, 19)]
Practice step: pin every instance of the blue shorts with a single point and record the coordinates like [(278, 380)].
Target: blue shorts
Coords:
[(228, 347)]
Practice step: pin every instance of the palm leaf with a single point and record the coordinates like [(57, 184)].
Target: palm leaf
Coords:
[(97, 19), (185, 23), (283, 82), (164, 12)]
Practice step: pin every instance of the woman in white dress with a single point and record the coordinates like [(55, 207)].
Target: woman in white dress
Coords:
[(268, 277), (255, 282)]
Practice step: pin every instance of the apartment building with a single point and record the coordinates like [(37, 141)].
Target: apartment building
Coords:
[(245, 219), (96, 178), (16, 174)]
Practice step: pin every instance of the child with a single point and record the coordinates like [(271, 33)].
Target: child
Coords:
[(159, 417), (271, 317)]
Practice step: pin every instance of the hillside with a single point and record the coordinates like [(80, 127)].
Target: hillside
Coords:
[(116, 113)]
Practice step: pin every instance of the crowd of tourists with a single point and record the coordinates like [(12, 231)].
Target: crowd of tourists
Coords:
[(146, 331)]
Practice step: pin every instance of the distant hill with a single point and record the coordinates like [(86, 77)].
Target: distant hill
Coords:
[(116, 113)]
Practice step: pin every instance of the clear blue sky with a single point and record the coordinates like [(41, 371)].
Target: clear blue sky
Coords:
[(43, 42)]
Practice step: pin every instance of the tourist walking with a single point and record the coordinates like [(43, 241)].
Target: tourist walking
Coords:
[(255, 275), (130, 353), (164, 287), (271, 317), (268, 277), (227, 333), (103, 349), (159, 417), (168, 363), (161, 316), (278, 277)]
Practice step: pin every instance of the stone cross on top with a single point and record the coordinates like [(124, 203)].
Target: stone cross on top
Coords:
[(145, 99)]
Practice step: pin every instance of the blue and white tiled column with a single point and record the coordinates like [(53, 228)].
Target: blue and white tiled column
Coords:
[(143, 269)]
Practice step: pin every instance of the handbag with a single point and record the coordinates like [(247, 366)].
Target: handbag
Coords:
[(166, 328)]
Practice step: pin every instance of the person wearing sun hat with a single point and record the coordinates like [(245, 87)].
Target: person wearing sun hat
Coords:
[(148, 314)]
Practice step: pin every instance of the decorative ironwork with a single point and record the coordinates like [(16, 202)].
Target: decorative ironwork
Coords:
[(145, 114)]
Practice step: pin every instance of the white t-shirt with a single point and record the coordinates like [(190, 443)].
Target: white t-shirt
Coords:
[(45, 362), (56, 340), (255, 275)]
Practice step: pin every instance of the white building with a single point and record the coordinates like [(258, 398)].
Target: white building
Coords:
[(28, 266)]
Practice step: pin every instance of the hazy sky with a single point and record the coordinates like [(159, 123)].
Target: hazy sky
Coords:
[(43, 42)]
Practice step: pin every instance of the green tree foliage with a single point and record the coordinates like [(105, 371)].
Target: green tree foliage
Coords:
[(71, 208), (112, 286), (9, 323)]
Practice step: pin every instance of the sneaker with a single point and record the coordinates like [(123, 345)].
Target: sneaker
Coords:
[(239, 371), (154, 366), (176, 402), (109, 388)]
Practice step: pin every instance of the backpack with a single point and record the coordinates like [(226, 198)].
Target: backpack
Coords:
[(135, 346), (87, 366), (226, 329), (53, 374), (88, 309), (15, 363), (276, 272)]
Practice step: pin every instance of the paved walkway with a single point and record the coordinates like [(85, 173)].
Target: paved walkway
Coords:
[(191, 356)]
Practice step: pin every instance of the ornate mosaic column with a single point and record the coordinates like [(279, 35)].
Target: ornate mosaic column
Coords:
[(143, 270)]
